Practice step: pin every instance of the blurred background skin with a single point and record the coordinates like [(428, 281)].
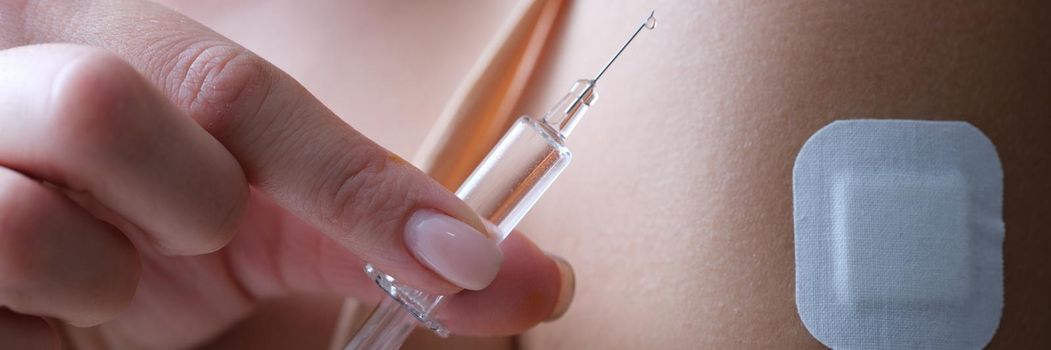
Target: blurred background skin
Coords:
[(685, 241)]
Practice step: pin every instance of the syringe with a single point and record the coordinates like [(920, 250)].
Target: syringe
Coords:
[(522, 165)]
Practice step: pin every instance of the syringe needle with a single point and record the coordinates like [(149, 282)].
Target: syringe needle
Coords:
[(649, 23), (507, 183)]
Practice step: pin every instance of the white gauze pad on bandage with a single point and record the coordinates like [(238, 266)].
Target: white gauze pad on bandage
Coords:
[(899, 235)]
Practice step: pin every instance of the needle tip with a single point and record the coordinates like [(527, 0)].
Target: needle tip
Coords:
[(651, 22)]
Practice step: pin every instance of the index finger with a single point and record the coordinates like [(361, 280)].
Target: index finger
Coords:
[(289, 145)]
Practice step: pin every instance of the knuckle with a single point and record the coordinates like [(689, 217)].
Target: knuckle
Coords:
[(19, 198), (33, 255), (215, 218), (365, 194), (206, 242), (91, 101), (216, 228), (120, 279), (223, 217), (212, 79)]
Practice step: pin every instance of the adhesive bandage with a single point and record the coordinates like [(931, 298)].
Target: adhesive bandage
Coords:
[(899, 235)]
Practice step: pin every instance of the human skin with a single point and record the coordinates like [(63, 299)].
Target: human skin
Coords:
[(157, 182), (695, 136), (685, 240)]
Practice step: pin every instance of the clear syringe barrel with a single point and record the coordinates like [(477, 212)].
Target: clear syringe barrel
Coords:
[(515, 173), (525, 162), (504, 186)]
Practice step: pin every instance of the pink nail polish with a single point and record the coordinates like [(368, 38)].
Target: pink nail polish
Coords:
[(453, 249)]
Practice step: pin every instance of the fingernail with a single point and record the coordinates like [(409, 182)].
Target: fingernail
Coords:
[(453, 249), (565, 290)]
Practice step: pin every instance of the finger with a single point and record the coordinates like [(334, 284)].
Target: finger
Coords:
[(276, 255), (57, 260), (288, 143), (531, 287), (27, 332), (87, 121)]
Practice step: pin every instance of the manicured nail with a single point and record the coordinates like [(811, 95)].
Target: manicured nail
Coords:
[(453, 249), (565, 290)]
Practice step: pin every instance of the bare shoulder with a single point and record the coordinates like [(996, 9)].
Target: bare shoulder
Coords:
[(677, 212)]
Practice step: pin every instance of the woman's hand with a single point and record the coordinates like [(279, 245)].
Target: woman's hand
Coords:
[(156, 180)]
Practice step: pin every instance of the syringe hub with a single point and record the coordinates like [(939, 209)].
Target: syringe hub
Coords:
[(563, 117)]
